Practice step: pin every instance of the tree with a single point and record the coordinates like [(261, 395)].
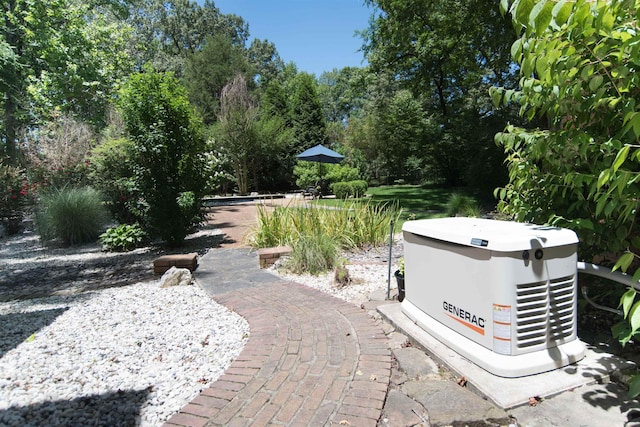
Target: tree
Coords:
[(440, 48), (275, 138), (166, 154), (307, 117), (448, 53), (210, 69), (57, 56), (274, 101), (274, 155), (266, 61), (167, 32), (342, 93), (236, 130), (394, 133)]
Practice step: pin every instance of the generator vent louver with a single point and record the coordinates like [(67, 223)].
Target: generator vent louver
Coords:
[(545, 311)]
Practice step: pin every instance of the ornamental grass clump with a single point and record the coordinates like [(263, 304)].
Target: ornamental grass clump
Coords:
[(312, 253), (308, 230), (357, 225), (459, 204), (71, 216)]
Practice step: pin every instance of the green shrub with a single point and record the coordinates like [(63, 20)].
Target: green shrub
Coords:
[(71, 215), (340, 189), (313, 253), (122, 238), (342, 173), (308, 174), (343, 190), (459, 204), (167, 160), (111, 172)]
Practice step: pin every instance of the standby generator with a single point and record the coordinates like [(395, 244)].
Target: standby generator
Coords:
[(502, 294)]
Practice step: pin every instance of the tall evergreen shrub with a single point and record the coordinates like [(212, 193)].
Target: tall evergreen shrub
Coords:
[(167, 152)]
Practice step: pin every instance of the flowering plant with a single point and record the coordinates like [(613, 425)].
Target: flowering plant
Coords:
[(15, 196)]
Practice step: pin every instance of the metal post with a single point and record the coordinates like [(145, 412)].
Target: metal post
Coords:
[(390, 249)]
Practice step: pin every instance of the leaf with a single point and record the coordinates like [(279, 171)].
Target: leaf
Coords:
[(595, 82), (634, 386), (603, 178), (516, 50), (508, 95), (561, 12), (621, 332), (504, 6), (523, 10), (626, 300), (543, 16), (605, 20), (496, 96), (636, 125), (621, 157), (624, 261), (634, 317), (585, 223)]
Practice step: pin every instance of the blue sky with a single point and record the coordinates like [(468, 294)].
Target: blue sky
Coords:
[(317, 35)]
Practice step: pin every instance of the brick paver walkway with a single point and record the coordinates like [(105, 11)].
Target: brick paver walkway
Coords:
[(311, 360)]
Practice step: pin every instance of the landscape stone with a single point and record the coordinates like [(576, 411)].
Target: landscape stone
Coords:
[(176, 277)]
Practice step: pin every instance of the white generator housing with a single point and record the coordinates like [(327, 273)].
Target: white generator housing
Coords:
[(502, 294)]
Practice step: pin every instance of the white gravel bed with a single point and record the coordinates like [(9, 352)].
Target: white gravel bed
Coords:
[(124, 356), (368, 269), (369, 281)]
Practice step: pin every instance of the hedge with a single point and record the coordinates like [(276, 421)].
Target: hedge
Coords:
[(343, 190)]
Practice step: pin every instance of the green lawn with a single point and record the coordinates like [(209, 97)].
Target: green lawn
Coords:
[(416, 201)]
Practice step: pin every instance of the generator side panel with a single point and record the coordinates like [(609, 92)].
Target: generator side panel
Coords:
[(452, 284)]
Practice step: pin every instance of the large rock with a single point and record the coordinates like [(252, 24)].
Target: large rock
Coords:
[(175, 277)]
